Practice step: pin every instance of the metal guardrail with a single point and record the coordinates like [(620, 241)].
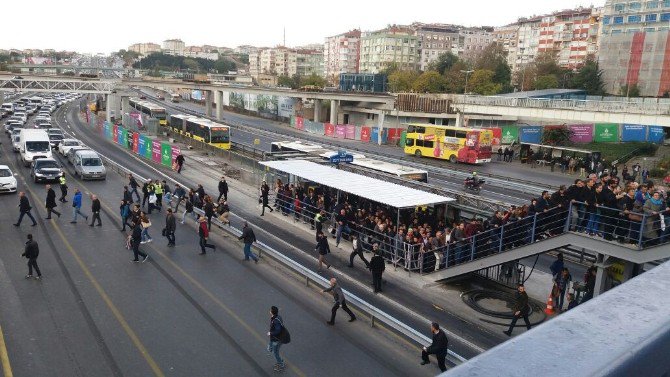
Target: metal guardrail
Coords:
[(375, 314)]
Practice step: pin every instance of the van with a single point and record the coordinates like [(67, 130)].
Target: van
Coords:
[(88, 165), (34, 144), (8, 107)]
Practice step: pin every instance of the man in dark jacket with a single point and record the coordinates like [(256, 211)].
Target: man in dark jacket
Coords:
[(136, 239), (357, 251), (203, 232), (223, 189), (95, 208), (248, 237), (338, 300), (377, 266), (32, 251), (276, 324), (51, 202), (24, 209), (521, 309), (437, 348), (127, 195), (265, 192), (170, 227), (133, 188), (145, 193)]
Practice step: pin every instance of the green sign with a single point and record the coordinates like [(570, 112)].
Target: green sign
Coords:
[(403, 137), (510, 134), (166, 154), (149, 144), (606, 133), (124, 137), (292, 121)]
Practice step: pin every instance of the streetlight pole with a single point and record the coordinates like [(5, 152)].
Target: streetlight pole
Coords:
[(465, 98)]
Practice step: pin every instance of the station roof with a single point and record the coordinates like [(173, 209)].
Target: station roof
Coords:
[(388, 193)]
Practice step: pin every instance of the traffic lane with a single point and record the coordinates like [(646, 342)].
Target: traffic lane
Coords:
[(50, 311), (407, 298), (360, 350)]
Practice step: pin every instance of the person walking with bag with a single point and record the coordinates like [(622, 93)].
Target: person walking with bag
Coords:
[(24, 209), (145, 224), (133, 188), (203, 232), (278, 335), (32, 251), (76, 207), (51, 203), (339, 301), (248, 237), (135, 241), (170, 227), (322, 248)]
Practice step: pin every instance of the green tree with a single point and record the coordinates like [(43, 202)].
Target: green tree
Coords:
[(389, 69), (546, 82), (455, 79), (224, 65), (443, 63), (429, 82), (481, 82), (286, 81), (556, 135), (545, 64), (590, 78), (633, 91), (402, 81), (314, 80), (494, 58)]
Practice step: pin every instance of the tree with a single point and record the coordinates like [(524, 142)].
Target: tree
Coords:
[(224, 65), (429, 82), (402, 81), (481, 82), (494, 58), (390, 69), (286, 81), (314, 80), (633, 91), (455, 79), (443, 63), (556, 135), (545, 64), (590, 78), (546, 82)]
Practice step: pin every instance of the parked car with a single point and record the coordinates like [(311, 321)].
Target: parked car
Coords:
[(46, 169)]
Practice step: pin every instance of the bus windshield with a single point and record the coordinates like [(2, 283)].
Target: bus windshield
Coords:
[(220, 135)]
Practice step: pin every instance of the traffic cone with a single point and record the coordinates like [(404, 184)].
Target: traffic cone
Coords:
[(550, 306)]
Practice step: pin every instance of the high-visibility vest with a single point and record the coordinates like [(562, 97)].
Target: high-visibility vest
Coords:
[(158, 189), (62, 180)]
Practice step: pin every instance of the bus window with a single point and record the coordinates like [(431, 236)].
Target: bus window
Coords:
[(428, 144), (409, 142), (410, 129), (450, 133), (420, 130), (461, 134), (419, 143)]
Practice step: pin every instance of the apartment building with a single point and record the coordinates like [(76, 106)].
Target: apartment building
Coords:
[(145, 49), (472, 41), (309, 62), (341, 54), (508, 38), (434, 40), (174, 47), (397, 45)]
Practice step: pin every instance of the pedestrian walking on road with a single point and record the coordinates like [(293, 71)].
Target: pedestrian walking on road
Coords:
[(179, 194), (95, 209), (159, 189), (24, 209), (51, 202), (521, 309), (438, 347), (203, 232), (248, 237), (63, 189), (133, 188), (127, 195), (180, 162), (170, 227), (145, 193), (322, 248), (188, 209), (145, 224), (208, 207), (265, 192), (278, 336), (339, 301), (32, 251), (136, 240), (124, 211), (223, 189), (357, 251), (377, 266), (76, 207)]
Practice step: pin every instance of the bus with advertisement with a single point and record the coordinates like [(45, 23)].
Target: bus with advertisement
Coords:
[(455, 144), (149, 109), (209, 132)]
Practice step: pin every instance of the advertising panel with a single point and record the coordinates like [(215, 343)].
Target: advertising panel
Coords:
[(330, 129), (606, 133), (156, 151), (340, 131), (581, 133), (300, 123), (350, 132), (530, 134), (136, 142), (176, 151), (286, 106), (656, 134), (510, 134), (633, 132), (166, 154)]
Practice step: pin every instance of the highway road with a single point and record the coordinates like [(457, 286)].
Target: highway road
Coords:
[(95, 313)]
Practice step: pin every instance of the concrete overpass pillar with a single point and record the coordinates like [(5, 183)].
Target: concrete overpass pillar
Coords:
[(218, 98), (108, 107), (208, 103), (317, 110), (125, 105), (2, 97), (380, 126), (334, 110)]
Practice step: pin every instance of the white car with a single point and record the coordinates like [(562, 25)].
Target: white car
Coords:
[(16, 143), (7, 179), (67, 144)]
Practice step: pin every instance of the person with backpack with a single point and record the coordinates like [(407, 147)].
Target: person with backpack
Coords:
[(278, 335)]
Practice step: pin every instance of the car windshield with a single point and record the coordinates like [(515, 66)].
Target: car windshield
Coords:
[(55, 137), (46, 165), (91, 162), (71, 143), (37, 146), (4, 173)]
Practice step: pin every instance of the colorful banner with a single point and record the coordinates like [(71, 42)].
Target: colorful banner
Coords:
[(166, 154), (365, 134), (330, 129), (119, 136), (293, 122), (581, 133), (156, 151), (176, 151), (510, 134), (350, 132), (606, 133), (147, 152), (115, 133), (300, 123), (656, 134), (633, 132), (105, 129), (136, 142), (142, 145), (530, 134), (340, 131), (497, 135), (394, 135)]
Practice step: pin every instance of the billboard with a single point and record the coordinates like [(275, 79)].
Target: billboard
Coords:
[(156, 151), (350, 132), (330, 129), (656, 134), (166, 154), (136, 142), (510, 134), (365, 134), (633, 132), (340, 131), (606, 133), (286, 106), (143, 145), (530, 134), (581, 133), (176, 151), (115, 133), (300, 123)]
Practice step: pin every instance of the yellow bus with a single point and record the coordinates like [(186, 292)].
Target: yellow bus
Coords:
[(149, 109), (456, 144), (209, 132)]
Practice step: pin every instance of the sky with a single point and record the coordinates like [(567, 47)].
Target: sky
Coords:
[(107, 26)]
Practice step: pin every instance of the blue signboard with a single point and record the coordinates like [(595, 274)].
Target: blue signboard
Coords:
[(656, 134), (530, 134), (341, 156), (142, 150), (633, 132)]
